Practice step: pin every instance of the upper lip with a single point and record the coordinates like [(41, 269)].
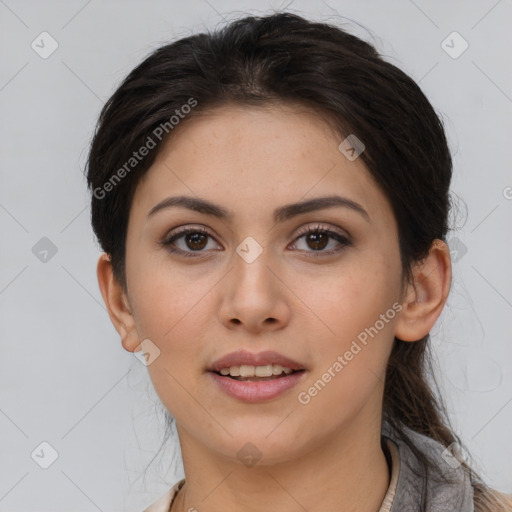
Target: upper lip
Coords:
[(242, 357)]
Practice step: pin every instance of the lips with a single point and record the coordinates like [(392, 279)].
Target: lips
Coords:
[(257, 392), (256, 389), (243, 357)]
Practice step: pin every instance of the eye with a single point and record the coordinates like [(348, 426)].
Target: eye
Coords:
[(194, 241), (318, 237)]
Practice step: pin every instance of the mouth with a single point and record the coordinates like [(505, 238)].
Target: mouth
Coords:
[(256, 377), (260, 364), (262, 373), (256, 389)]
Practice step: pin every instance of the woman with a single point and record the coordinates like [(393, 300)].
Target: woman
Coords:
[(272, 203)]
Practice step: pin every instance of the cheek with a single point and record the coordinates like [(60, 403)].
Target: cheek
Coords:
[(358, 309), (170, 312), (352, 298), (167, 299), (349, 370)]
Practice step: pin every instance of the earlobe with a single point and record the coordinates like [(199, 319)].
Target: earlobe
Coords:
[(426, 295), (117, 304)]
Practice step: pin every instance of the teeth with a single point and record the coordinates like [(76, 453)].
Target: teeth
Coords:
[(256, 371), (263, 371)]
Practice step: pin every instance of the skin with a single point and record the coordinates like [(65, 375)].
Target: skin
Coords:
[(325, 455)]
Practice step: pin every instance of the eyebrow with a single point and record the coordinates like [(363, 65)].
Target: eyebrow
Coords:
[(281, 214)]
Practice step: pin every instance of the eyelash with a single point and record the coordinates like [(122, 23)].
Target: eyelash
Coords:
[(342, 240)]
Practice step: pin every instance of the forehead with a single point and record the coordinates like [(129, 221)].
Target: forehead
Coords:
[(255, 159)]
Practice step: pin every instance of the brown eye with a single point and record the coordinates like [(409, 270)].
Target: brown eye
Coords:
[(193, 242), (196, 241), (317, 241), (317, 238)]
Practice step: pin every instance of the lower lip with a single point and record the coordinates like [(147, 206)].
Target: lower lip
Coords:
[(248, 391)]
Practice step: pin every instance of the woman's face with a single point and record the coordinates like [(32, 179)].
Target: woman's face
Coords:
[(254, 282)]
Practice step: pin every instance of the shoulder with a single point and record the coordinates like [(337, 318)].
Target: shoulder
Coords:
[(163, 503), (449, 483)]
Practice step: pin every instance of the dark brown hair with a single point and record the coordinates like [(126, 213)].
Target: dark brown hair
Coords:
[(284, 58)]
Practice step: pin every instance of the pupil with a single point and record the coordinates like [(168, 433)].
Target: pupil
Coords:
[(318, 243), (194, 242)]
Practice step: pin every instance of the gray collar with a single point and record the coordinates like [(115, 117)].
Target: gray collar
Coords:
[(421, 489)]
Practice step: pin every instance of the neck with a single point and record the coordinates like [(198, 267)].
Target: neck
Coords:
[(348, 472)]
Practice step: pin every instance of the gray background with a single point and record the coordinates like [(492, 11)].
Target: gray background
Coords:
[(64, 377)]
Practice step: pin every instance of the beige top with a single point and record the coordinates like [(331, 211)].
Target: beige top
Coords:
[(163, 504)]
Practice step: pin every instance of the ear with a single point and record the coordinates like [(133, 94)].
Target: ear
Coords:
[(426, 296), (117, 304)]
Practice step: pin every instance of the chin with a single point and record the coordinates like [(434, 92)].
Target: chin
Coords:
[(255, 445)]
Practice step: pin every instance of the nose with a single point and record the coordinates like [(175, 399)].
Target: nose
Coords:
[(254, 296)]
